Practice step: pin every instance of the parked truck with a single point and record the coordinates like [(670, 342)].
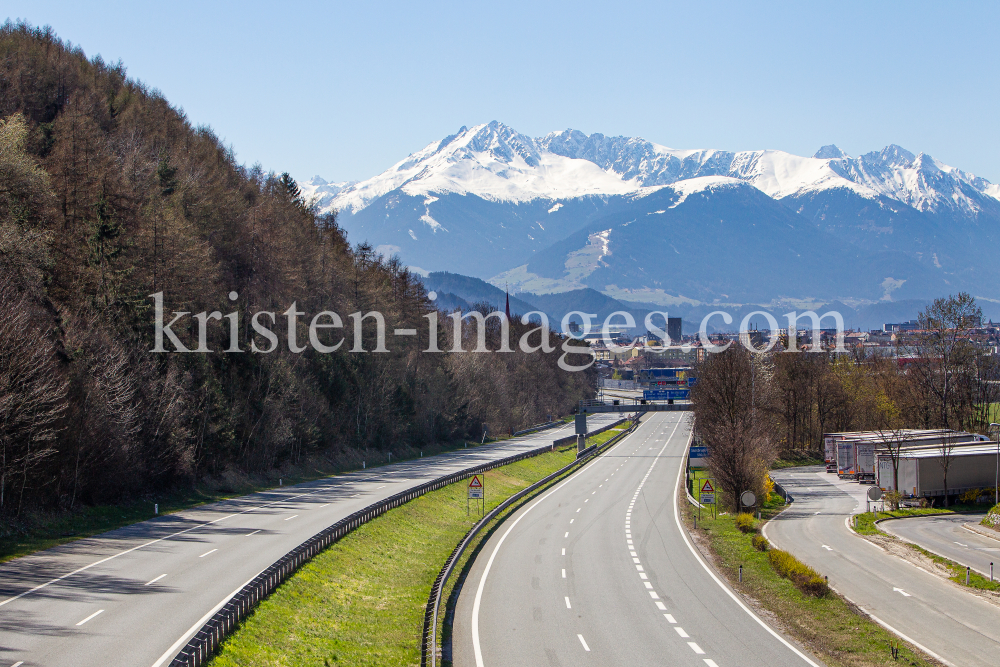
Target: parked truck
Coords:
[(864, 462), (921, 471), (830, 453), (845, 459)]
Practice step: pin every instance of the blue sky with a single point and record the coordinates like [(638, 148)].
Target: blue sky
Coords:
[(346, 90)]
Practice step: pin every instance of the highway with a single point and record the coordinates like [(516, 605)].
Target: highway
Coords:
[(599, 571), (951, 624), (946, 535), (134, 596)]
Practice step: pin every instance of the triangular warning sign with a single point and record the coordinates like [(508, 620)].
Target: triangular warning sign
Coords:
[(707, 487), (475, 483)]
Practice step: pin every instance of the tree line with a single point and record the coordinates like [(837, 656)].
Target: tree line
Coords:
[(108, 195), (752, 408)]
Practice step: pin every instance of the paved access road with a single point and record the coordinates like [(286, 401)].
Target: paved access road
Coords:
[(599, 571), (134, 596), (946, 535), (957, 627)]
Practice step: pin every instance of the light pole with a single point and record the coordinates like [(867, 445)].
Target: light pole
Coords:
[(996, 479)]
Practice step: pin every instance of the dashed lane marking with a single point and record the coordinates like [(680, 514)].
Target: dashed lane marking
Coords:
[(584, 642), (96, 613)]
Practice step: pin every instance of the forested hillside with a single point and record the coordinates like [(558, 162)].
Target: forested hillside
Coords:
[(109, 195)]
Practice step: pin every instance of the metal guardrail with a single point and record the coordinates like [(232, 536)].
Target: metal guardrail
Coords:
[(538, 427), (224, 622), (428, 645)]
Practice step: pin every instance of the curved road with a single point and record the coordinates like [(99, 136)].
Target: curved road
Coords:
[(134, 596), (946, 535), (599, 571), (953, 625)]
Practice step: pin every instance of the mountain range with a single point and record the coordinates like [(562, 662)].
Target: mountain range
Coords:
[(643, 223)]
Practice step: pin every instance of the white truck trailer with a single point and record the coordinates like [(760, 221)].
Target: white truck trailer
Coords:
[(921, 471)]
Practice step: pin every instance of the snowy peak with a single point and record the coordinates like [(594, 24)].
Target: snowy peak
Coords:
[(495, 162), (830, 152)]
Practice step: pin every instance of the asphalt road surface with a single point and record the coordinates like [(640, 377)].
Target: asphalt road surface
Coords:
[(951, 624), (135, 596), (946, 535), (599, 571)]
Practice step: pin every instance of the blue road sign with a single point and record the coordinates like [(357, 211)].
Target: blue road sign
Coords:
[(665, 394)]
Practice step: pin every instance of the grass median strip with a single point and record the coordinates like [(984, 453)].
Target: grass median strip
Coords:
[(827, 624), (361, 602)]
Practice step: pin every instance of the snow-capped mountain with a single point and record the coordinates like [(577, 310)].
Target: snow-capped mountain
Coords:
[(496, 162), (488, 199), (321, 192)]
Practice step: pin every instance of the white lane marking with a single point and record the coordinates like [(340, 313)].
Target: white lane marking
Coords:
[(636, 560), (710, 663), (198, 625), (642, 575), (208, 552), (653, 595), (253, 533), (99, 611), (477, 602), (647, 584), (564, 551), (708, 570), (661, 606), (151, 542), (381, 487), (828, 548), (670, 618), (322, 506), (961, 545), (697, 649), (639, 568), (901, 592), (907, 639), (564, 573), (18, 663), (814, 513), (578, 509), (584, 642), (566, 535), (588, 499), (567, 604), (291, 517), (681, 632), (153, 581)]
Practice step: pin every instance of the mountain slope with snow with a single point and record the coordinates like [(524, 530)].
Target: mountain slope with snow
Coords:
[(488, 199)]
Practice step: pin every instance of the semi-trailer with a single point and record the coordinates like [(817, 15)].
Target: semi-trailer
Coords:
[(922, 471)]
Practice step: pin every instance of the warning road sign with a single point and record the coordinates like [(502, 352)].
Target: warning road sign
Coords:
[(707, 487), (475, 483)]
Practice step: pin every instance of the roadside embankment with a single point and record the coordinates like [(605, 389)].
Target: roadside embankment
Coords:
[(361, 602), (792, 597)]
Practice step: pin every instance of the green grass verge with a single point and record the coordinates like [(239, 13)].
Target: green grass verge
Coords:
[(829, 625), (976, 580), (361, 602), (864, 523)]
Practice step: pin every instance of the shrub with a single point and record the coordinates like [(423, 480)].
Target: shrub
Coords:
[(970, 497), (804, 577), (768, 488), (746, 523), (892, 499), (992, 518), (760, 543)]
